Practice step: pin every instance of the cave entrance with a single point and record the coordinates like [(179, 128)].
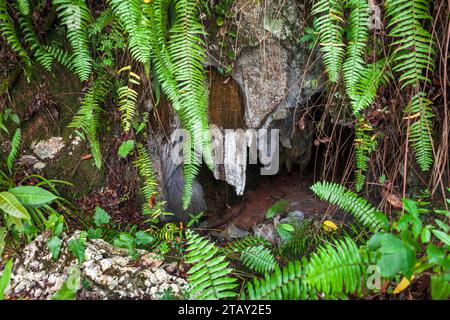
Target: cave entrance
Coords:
[(261, 192)]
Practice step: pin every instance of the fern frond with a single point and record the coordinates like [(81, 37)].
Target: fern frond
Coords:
[(330, 20), (370, 79), (23, 6), (305, 239), (209, 276), (186, 48), (358, 35), (15, 147), (348, 201), (8, 32), (86, 118), (282, 284), (149, 187), (128, 99), (46, 56), (337, 268), (241, 244), (105, 18), (415, 51), (179, 54), (365, 143), (258, 258), (130, 14), (421, 130), (76, 15)]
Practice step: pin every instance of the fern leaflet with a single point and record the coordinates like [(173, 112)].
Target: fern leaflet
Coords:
[(282, 284), (76, 16), (15, 146), (208, 276), (86, 118), (336, 269), (258, 258), (329, 24), (420, 131), (358, 35), (348, 201)]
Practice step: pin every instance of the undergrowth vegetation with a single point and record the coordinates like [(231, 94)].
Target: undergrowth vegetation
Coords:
[(390, 87)]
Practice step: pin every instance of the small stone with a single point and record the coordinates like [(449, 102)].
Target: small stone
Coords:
[(281, 114), (39, 166)]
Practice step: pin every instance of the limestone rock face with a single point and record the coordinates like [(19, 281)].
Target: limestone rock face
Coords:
[(275, 73), (106, 273)]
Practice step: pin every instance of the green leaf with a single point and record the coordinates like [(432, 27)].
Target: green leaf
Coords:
[(426, 235), (4, 279), (124, 241), (125, 148), (285, 231), (70, 287), (143, 238), (394, 255), (440, 287), (55, 222), (437, 256), (101, 217), (277, 208), (411, 207), (78, 247), (15, 118), (219, 21), (2, 239), (11, 206), (33, 196), (444, 227), (54, 245), (95, 233), (445, 238)]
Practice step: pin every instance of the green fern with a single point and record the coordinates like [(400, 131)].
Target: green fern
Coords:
[(258, 258), (76, 15), (208, 276), (131, 15), (23, 6), (366, 89), (348, 201), (149, 187), (44, 55), (330, 20), (86, 118), (305, 239), (179, 54), (128, 99), (241, 244), (282, 284), (358, 35), (414, 59), (15, 147), (335, 269), (105, 18), (365, 144), (47, 55), (415, 52), (8, 32), (420, 131)]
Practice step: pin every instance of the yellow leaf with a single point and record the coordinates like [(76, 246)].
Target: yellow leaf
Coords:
[(135, 75), (329, 226), (123, 69), (415, 115), (404, 283), (147, 1)]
